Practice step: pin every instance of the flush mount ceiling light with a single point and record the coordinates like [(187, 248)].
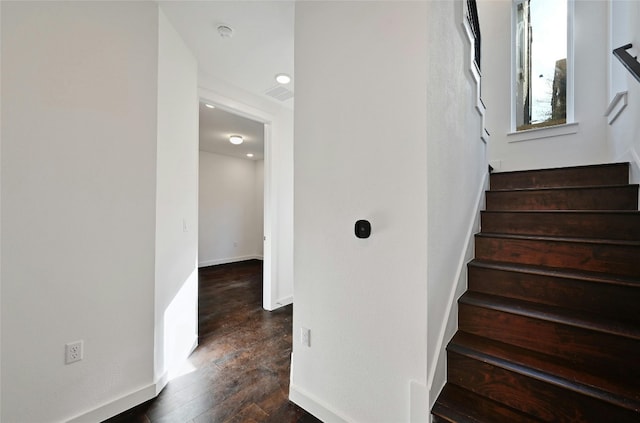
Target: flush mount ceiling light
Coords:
[(249, 154), (283, 78), (236, 139), (225, 31), (211, 106)]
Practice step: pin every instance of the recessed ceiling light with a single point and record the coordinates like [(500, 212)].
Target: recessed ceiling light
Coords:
[(283, 78), (211, 106), (235, 139), (249, 154)]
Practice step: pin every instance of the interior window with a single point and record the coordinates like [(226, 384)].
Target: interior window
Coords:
[(540, 63)]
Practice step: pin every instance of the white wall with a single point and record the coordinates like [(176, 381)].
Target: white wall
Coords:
[(278, 176), (361, 153), (176, 286), (624, 132), (457, 176), (588, 145), (230, 209), (78, 204), (99, 172)]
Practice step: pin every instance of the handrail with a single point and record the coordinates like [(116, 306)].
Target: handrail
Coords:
[(474, 22), (629, 62)]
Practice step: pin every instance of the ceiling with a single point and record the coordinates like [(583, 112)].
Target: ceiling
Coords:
[(217, 125), (261, 46)]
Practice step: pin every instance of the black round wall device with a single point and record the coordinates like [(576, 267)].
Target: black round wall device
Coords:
[(363, 229)]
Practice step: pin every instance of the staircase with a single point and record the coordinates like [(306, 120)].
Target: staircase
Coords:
[(549, 329)]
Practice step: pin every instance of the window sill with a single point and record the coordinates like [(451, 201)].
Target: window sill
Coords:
[(546, 132)]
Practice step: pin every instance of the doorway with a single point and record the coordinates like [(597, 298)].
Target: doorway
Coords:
[(234, 204)]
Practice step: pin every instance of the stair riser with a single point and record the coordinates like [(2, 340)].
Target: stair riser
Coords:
[(615, 259), (532, 396), (601, 298), (581, 346), (621, 226), (583, 176), (609, 198), (485, 410)]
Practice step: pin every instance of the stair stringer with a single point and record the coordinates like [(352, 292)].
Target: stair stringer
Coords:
[(436, 369)]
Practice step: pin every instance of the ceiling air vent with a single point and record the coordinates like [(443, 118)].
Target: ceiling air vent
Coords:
[(279, 92)]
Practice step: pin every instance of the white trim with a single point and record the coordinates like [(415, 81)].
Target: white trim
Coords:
[(119, 405), (570, 112), (285, 301), (270, 271), (545, 132), (475, 75), (316, 406), (571, 73), (216, 262), (617, 105), (452, 309)]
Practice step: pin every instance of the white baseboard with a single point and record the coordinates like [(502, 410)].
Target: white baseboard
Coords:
[(129, 401), (315, 406), (117, 406), (284, 301), (215, 262)]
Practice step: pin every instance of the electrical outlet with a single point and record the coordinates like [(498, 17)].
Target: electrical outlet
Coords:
[(305, 337), (73, 352)]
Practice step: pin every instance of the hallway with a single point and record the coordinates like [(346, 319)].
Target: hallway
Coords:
[(241, 367)]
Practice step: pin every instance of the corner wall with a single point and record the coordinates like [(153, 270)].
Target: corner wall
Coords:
[(176, 270), (360, 153), (99, 165), (78, 204)]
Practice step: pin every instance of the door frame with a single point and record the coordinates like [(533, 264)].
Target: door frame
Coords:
[(270, 252)]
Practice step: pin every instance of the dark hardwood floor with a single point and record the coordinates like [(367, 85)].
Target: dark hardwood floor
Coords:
[(242, 361)]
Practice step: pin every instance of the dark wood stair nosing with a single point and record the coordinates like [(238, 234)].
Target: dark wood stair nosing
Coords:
[(564, 188), (564, 239), (555, 272), (565, 168), (550, 313), (540, 375)]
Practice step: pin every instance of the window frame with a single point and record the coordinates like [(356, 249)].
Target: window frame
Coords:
[(548, 131)]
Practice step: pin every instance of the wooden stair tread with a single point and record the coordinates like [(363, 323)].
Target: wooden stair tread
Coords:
[(599, 224), (589, 174), (632, 243), (594, 277), (565, 212), (549, 369), (459, 405), (554, 314), (619, 257), (601, 197), (563, 188)]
